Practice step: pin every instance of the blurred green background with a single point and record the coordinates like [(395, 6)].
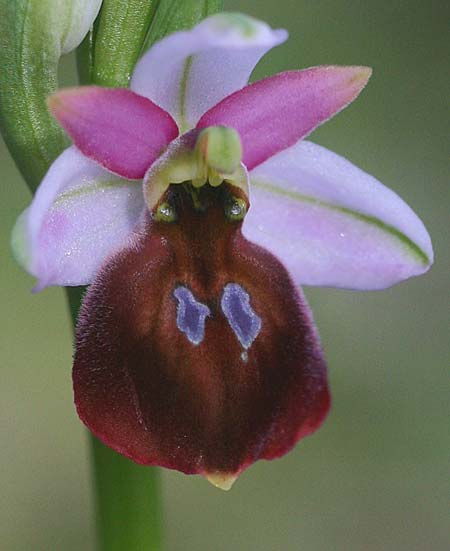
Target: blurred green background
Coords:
[(376, 476)]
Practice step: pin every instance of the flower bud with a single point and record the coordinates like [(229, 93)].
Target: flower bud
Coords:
[(72, 20), (33, 36)]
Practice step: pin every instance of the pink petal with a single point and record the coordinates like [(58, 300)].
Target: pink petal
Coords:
[(117, 128), (332, 224), (188, 72), (79, 215), (274, 113)]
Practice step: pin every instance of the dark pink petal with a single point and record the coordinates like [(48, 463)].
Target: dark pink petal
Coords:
[(195, 351), (273, 114), (119, 129)]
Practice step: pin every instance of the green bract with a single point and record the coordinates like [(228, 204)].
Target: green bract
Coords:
[(110, 51)]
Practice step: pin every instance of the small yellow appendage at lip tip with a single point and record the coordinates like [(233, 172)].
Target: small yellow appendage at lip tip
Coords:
[(224, 481), (361, 75)]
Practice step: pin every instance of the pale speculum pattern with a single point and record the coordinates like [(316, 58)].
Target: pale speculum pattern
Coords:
[(236, 307), (191, 315)]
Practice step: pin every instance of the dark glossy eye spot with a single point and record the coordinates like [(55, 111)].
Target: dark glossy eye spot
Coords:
[(235, 209), (165, 212), (191, 315), (245, 323)]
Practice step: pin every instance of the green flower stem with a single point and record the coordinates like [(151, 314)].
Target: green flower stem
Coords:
[(110, 51), (128, 502)]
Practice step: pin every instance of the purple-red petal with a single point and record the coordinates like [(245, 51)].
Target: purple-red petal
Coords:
[(195, 351), (122, 131), (274, 113)]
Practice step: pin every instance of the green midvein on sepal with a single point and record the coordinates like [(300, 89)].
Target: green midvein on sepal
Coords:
[(403, 240)]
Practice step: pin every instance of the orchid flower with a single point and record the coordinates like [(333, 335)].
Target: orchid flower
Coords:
[(195, 210)]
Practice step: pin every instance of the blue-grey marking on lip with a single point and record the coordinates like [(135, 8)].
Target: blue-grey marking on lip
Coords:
[(191, 315), (245, 323)]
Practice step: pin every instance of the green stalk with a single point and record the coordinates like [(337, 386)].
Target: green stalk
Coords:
[(119, 35), (130, 513)]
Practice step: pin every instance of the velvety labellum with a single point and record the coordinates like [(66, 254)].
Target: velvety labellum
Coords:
[(194, 350)]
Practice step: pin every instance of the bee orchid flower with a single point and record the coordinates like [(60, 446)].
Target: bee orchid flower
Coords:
[(195, 210)]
